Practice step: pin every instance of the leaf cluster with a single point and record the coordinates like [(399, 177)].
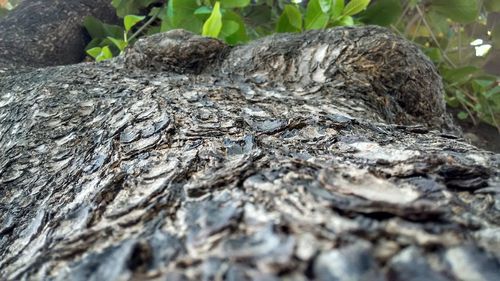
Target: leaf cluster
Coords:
[(454, 34), (234, 21)]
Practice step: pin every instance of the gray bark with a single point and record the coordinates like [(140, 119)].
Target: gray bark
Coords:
[(323, 156)]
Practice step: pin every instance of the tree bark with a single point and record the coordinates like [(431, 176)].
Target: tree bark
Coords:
[(320, 156)]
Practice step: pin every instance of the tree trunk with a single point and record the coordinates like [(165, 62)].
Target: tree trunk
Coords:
[(49, 32), (320, 156)]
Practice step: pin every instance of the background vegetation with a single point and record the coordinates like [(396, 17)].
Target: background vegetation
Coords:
[(458, 35)]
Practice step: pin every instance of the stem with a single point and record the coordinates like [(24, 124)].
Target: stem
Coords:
[(495, 123), (470, 96), (416, 29), (464, 106), (405, 10), (148, 23), (433, 36), (459, 44), (411, 22)]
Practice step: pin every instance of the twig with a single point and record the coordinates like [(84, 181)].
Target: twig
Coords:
[(148, 23), (433, 36), (416, 30), (405, 10), (464, 106), (459, 44)]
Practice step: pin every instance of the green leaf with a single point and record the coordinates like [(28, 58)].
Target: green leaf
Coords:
[(355, 6), (478, 107), (325, 5), (203, 10), (120, 44), (337, 8), (460, 96), (458, 76), (172, 10), (105, 54), (290, 20), (130, 20), (382, 12), (98, 29), (240, 36), (100, 54), (438, 24), (127, 7), (228, 4), (461, 11), (492, 5), (346, 21), (495, 92), (229, 27), (258, 15), (93, 43), (119, 6), (480, 85), (462, 115), (434, 54), (166, 25), (94, 52), (94, 27), (213, 24), (315, 17), (180, 15)]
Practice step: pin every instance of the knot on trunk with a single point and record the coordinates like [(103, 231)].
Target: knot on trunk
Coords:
[(177, 50), (365, 63)]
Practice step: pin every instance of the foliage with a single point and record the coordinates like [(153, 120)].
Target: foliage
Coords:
[(213, 25), (107, 36), (234, 21), (445, 29)]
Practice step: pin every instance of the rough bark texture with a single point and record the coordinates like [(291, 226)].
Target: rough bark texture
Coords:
[(315, 156)]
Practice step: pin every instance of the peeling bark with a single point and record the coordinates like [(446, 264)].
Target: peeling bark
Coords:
[(318, 156)]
